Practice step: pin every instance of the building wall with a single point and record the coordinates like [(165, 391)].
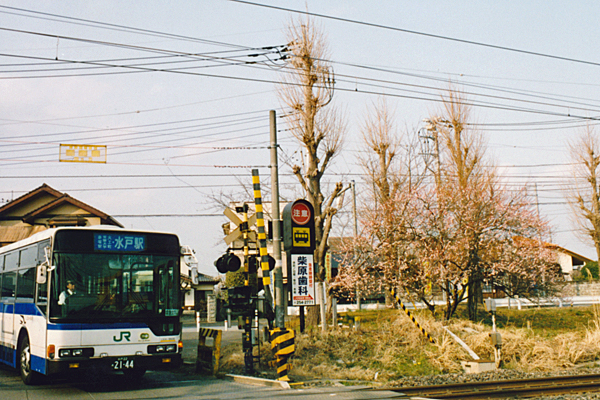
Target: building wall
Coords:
[(26, 208), (565, 261), (581, 289)]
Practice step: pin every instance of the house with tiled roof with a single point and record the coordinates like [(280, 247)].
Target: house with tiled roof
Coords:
[(45, 207), (567, 259)]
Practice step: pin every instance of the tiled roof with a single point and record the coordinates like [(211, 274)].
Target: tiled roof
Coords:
[(207, 279)]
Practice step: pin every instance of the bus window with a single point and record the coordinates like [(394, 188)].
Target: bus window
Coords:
[(25, 283), (8, 284), (41, 251), (166, 290), (11, 262), (28, 257)]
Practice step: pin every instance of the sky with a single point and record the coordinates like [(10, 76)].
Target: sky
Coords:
[(180, 93)]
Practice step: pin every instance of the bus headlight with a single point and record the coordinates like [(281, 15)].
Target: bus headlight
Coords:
[(85, 352), (64, 353), (162, 348)]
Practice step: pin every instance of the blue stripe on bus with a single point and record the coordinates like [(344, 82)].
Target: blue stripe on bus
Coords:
[(38, 364), (21, 308), (95, 326), (7, 356), (7, 308), (28, 309)]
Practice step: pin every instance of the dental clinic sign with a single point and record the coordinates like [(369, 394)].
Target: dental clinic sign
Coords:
[(303, 280)]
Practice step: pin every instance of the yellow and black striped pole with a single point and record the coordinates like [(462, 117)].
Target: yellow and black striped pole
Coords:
[(283, 341), (262, 235), (412, 318), (247, 335)]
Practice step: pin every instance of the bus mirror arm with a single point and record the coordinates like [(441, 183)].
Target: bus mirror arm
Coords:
[(42, 273), (44, 268)]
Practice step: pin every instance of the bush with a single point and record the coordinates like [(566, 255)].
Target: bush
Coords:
[(588, 272)]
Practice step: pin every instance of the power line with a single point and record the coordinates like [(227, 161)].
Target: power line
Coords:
[(431, 35), (418, 96), (182, 71), (46, 121), (125, 28), (163, 34)]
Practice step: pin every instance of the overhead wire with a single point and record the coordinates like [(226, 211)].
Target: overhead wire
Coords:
[(142, 30), (176, 70), (415, 94), (480, 104), (431, 35), (163, 34)]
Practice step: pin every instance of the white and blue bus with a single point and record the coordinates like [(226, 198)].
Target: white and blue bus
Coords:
[(90, 298)]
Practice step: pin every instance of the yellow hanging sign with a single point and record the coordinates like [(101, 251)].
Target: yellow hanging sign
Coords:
[(82, 153)]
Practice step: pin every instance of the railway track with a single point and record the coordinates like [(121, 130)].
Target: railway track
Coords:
[(522, 388)]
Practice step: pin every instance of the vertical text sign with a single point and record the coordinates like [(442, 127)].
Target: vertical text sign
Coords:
[(303, 280)]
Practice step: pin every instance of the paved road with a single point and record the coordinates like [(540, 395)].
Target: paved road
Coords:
[(183, 383), (154, 385)]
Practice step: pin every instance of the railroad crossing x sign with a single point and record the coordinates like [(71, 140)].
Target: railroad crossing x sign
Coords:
[(237, 232)]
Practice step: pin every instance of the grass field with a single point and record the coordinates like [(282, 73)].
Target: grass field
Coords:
[(388, 345)]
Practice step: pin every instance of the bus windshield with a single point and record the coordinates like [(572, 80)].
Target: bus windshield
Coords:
[(114, 286)]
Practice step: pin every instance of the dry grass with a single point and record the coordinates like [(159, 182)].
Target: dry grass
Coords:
[(388, 346)]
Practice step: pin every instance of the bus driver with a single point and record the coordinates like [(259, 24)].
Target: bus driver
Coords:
[(62, 299)]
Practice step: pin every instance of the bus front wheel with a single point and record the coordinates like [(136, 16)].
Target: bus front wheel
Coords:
[(28, 376)]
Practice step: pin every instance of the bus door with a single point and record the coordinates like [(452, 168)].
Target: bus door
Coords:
[(9, 282)]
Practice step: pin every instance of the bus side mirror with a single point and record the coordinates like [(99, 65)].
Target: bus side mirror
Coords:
[(43, 268), (194, 273), (42, 273)]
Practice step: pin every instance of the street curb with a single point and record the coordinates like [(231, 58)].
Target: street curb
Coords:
[(250, 380)]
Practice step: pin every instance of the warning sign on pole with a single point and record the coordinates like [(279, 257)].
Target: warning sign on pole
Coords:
[(303, 280), (299, 227)]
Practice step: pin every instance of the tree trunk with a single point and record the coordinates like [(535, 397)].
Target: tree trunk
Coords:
[(313, 315)]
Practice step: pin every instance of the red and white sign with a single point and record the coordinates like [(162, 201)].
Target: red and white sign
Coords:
[(300, 213)]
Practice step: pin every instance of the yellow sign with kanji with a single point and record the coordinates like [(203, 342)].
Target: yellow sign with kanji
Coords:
[(82, 153)]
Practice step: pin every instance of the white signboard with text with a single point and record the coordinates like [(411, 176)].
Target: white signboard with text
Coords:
[(303, 280)]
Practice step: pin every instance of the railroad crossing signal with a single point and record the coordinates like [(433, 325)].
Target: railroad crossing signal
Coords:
[(237, 232), (228, 263)]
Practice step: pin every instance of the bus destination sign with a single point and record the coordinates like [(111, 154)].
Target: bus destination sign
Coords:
[(119, 242)]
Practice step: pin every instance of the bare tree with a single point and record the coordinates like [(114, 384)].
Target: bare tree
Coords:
[(307, 89), (389, 208), (585, 197)]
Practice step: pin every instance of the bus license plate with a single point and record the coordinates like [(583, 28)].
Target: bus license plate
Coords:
[(122, 363)]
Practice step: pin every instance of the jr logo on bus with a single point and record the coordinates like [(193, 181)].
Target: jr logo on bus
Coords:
[(123, 335)]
